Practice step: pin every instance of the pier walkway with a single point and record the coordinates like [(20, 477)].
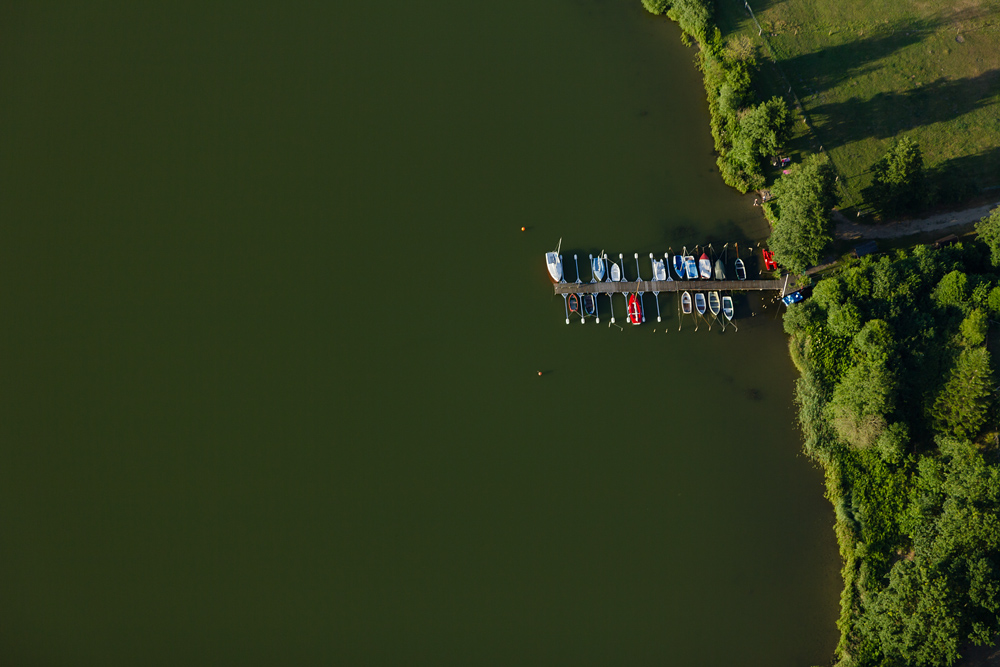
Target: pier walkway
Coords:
[(608, 287)]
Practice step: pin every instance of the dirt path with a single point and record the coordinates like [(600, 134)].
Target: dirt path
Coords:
[(846, 229)]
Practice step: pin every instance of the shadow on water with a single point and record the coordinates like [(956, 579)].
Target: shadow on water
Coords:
[(887, 114)]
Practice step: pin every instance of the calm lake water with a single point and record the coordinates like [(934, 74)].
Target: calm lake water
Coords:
[(270, 335)]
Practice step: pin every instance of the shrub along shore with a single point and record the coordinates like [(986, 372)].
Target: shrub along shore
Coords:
[(896, 398)]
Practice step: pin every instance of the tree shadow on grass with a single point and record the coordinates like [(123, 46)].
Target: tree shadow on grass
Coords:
[(959, 179), (887, 114)]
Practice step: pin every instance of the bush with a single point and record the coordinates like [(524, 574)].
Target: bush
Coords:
[(656, 6)]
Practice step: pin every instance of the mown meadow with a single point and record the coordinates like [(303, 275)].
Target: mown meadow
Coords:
[(869, 72)]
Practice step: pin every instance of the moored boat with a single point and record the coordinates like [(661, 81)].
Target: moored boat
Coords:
[(720, 270), (679, 266), (699, 302), (727, 307), (634, 309), (713, 303), (705, 267), (553, 260), (769, 263), (597, 268), (589, 305), (741, 270), (574, 303), (686, 303), (690, 267), (659, 270), (616, 272)]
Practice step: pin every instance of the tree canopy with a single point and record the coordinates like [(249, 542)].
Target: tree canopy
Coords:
[(801, 213), (898, 183), (988, 229)]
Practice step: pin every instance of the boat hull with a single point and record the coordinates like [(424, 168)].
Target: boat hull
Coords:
[(634, 309), (616, 272), (720, 270), (686, 303), (659, 270), (679, 266), (705, 267), (589, 306), (597, 268), (699, 303), (554, 263), (690, 268), (727, 307), (714, 304), (741, 270), (574, 303)]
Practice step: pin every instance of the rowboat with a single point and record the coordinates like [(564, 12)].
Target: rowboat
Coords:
[(741, 271), (713, 303), (727, 307), (686, 303), (574, 303), (769, 264), (679, 266), (699, 302), (597, 269), (705, 266), (553, 260), (720, 270), (589, 305), (616, 272), (634, 309), (690, 267), (659, 270)]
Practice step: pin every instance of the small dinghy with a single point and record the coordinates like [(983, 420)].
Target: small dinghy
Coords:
[(713, 303), (699, 302), (741, 271), (659, 270), (554, 262), (597, 268), (574, 303), (686, 303), (690, 267), (727, 307), (705, 266), (679, 266), (720, 270), (769, 263), (589, 305), (616, 272), (634, 309)]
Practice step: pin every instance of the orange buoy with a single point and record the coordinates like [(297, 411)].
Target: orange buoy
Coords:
[(539, 373), (522, 229)]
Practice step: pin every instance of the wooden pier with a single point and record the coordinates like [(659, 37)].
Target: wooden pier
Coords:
[(611, 287)]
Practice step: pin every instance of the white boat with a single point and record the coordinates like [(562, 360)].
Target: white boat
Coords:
[(686, 303), (713, 303), (690, 268), (705, 267), (741, 271), (616, 272), (720, 270), (727, 307), (597, 268), (659, 270), (699, 302), (553, 260)]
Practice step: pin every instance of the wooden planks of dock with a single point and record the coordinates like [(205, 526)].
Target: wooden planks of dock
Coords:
[(668, 286)]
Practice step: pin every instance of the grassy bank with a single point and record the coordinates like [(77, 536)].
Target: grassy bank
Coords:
[(868, 72)]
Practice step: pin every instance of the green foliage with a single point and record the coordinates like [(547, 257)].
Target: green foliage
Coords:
[(962, 404), (974, 328), (898, 182), (988, 229), (656, 6), (953, 290), (694, 17), (801, 212)]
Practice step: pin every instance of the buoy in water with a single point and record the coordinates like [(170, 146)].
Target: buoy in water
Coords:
[(522, 229), (539, 373)]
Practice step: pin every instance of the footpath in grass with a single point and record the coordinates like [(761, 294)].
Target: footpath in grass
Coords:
[(867, 72)]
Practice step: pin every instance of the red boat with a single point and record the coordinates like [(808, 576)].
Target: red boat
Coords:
[(634, 309), (769, 264), (574, 303)]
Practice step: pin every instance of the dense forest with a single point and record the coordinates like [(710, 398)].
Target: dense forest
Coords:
[(898, 403)]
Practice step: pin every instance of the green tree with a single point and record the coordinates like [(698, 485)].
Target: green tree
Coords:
[(801, 213), (974, 328), (656, 6), (988, 230), (898, 182), (961, 406)]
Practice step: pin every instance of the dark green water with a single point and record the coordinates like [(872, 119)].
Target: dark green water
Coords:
[(270, 334)]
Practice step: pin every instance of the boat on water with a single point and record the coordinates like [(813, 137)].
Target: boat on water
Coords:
[(589, 305), (553, 260), (713, 303), (699, 302), (616, 272), (634, 309), (686, 303), (705, 266), (727, 307), (794, 297), (741, 270), (720, 270), (574, 303), (679, 266), (769, 263), (690, 268), (597, 268), (659, 270)]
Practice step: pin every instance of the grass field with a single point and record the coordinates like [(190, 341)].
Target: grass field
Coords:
[(869, 71)]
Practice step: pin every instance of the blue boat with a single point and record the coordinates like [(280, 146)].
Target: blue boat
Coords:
[(794, 297), (679, 266), (690, 267), (588, 305)]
